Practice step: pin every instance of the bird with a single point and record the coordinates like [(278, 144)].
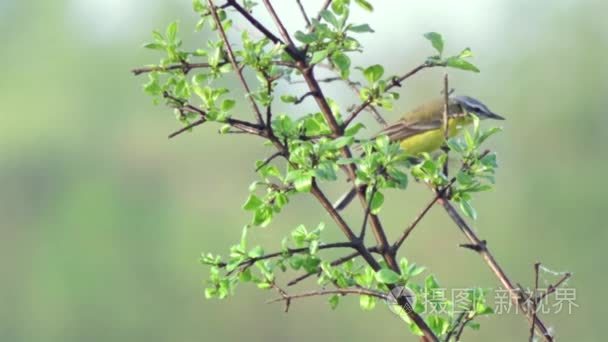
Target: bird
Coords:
[(421, 130)]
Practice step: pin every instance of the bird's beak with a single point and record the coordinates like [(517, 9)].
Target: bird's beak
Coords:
[(494, 116)]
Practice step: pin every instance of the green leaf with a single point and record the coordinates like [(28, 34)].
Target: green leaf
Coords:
[(365, 5), (245, 275), (330, 18), (376, 203), (468, 210), (373, 73), (436, 40), (360, 28), (430, 283), (318, 56), (438, 324), (466, 53), (342, 61), (289, 98), (341, 142), (414, 270), (387, 276), (256, 252), (367, 302), (262, 217), (485, 135), (352, 131), (305, 38), (172, 32), (155, 46), (473, 325), (459, 63), (303, 183), (326, 171), (228, 104), (253, 203), (334, 301)]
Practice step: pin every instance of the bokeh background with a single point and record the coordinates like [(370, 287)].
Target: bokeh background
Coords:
[(102, 219)]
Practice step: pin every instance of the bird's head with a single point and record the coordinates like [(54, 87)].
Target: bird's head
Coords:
[(474, 106)]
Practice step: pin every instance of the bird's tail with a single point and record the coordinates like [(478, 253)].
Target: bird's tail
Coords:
[(345, 199)]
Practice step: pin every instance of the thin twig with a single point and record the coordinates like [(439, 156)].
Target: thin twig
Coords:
[(303, 11), (533, 296), (282, 30), (342, 292), (184, 66), (303, 97), (238, 70), (268, 160), (461, 330), (446, 133), (366, 215), (554, 287), (187, 128), (242, 11), (413, 225), (456, 325)]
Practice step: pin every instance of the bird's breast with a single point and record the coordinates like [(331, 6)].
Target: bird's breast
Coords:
[(431, 140)]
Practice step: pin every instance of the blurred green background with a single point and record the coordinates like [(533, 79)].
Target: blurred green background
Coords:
[(102, 219)]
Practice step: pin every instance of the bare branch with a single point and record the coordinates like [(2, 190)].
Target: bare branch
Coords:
[(533, 296), (553, 287), (268, 160), (446, 133), (342, 292), (413, 225), (495, 267), (303, 11), (187, 128)]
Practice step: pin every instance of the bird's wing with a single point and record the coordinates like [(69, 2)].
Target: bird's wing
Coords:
[(402, 129)]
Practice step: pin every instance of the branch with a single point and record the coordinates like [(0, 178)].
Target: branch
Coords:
[(456, 325), (494, 266), (446, 133), (185, 67), (342, 292), (268, 160), (266, 32), (338, 130), (187, 128), (413, 225), (367, 212), (552, 288), (238, 70), (303, 11), (303, 97), (533, 296)]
